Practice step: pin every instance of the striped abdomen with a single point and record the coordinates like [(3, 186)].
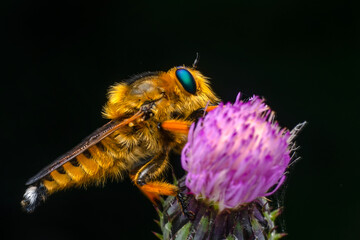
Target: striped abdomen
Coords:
[(105, 159), (92, 166)]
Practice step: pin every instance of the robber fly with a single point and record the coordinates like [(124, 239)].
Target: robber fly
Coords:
[(149, 115)]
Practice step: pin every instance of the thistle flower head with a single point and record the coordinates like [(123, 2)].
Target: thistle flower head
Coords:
[(236, 154)]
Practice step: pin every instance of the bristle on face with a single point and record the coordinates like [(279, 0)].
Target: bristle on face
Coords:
[(33, 197)]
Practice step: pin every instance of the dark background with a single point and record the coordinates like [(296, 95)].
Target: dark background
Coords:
[(61, 57)]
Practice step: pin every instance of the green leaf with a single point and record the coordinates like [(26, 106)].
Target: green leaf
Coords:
[(258, 230), (157, 222), (274, 214), (276, 236), (167, 230), (202, 228), (238, 231), (183, 233), (231, 237), (158, 235)]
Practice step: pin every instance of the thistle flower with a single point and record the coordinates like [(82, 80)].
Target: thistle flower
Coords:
[(236, 154), (234, 157)]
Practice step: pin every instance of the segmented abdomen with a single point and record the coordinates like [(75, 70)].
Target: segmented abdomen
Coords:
[(94, 165)]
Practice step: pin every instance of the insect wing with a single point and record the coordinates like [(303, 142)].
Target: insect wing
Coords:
[(89, 141)]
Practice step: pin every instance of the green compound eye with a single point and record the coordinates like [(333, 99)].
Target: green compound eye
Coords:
[(186, 80)]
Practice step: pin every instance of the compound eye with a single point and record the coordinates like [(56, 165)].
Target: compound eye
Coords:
[(187, 80)]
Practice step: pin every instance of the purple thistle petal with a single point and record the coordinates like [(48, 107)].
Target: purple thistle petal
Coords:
[(236, 153)]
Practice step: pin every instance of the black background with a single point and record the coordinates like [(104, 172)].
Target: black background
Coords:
[(61, 56)]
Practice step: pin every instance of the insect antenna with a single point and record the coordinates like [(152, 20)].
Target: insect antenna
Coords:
[(196, 61)]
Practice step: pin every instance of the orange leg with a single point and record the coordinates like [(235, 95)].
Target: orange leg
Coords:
[(144, 178), (176, 126), (153, 190), (179, 126), (210, 108)]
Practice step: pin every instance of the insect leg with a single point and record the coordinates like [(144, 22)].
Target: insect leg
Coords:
[(176, 126), (180, 126), (153, 189), (184, 203), (151, 169), (195, 115)]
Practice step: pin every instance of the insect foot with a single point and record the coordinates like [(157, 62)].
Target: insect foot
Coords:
[(184, 203), (147, 109)]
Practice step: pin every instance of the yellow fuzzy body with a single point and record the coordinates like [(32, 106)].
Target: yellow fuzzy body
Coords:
[(125, 149)]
